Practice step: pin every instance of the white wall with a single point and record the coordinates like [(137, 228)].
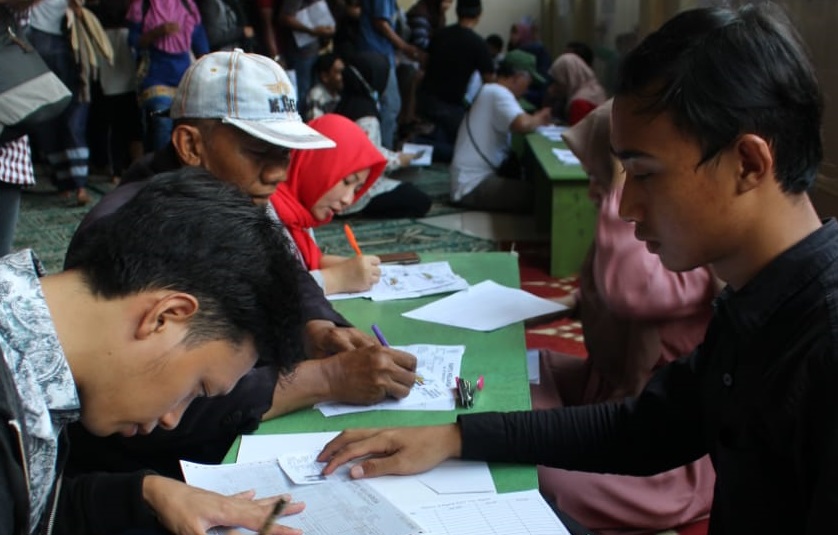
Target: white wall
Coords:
[(498, 15)]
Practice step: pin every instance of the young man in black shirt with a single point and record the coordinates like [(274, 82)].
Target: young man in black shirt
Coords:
[(717, 122)]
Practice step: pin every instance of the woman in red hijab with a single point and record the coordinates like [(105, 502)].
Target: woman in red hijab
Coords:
[(322, 183)]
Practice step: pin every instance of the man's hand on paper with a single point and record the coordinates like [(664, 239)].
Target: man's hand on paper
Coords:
[(368, 375), (323, 338), (186, 510), (323, 31), (399, 451)]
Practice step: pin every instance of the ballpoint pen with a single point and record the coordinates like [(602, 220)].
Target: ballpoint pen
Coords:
[(351, 237), (378, 334), (275, 512)]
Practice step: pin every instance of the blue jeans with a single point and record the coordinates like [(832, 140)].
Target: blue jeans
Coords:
[(391, 104), (156, 122)]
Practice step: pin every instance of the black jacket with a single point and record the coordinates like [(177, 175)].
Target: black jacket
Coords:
[(93, 503), (210, 425)]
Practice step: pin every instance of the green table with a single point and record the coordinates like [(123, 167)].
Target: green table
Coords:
[(562, 204), (499, 356)]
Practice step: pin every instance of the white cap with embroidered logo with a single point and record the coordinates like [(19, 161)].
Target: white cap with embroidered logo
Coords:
[(249, 91)]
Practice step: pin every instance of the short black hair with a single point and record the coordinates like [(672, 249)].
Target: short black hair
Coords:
[(582, 50), (324, 63), (722, 73), (495, 40), (188, 231)]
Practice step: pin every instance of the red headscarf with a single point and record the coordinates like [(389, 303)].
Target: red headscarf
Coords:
[(312, 173)]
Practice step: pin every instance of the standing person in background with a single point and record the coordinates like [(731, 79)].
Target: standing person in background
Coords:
[(114, 129), (324, 95), (227, 25), (348, 31), (16, 173), (378, 34), (637, 316), (163, 33), (63, 140), (300, 58), (455, 52), (575, 89)]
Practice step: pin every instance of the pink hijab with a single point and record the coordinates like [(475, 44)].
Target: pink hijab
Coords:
[(576, 79)]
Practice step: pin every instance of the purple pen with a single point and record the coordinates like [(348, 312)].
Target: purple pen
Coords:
[(379, 335)]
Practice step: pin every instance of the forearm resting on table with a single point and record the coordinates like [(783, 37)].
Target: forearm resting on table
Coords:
[(307, 385)]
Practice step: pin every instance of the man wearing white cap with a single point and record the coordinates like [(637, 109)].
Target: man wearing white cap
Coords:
[(235, 115)]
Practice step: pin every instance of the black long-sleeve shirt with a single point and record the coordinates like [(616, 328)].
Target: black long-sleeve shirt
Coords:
[(209, 425), (760, 395)]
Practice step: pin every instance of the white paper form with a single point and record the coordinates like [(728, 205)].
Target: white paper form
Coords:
[(485, 307), (425, 152), (452, 476), (404, 282), (552, 132), (317, 14), (566, 156), (340, 508), (437, 365), (515, 513)]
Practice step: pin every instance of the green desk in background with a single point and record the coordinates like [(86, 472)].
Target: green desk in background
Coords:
[(499, 356), (562, 205)]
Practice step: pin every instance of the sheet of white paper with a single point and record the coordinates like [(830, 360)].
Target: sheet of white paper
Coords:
[(533, 367), (426, 153), (515, 513), (551, 132), (566, 156), (404, 282), (317, 14), (485, 307), (341, 507), (437, 365), (302, 467), (449, 477)]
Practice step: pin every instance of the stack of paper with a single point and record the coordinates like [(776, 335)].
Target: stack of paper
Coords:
[(404, 282), (566, 156), (317, 14), (485, 307), (551, 131), (438, 366)]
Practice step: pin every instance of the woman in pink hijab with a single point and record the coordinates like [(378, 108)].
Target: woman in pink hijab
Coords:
[(576, 84), (636, 317)]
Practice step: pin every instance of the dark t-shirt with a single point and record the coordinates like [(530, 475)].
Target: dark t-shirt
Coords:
[(454, 54)]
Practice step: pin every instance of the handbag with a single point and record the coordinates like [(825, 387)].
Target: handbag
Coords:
[(30, 93)]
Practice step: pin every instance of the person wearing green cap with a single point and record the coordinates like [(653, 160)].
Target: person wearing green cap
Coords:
[(479, 178)]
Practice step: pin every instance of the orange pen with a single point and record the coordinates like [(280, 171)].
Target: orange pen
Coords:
[(351, 237)]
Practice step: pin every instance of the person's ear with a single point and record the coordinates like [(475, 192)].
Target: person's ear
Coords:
[(189, 144), (165, 312), (755, 162)]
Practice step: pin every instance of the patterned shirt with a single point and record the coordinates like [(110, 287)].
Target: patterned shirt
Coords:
[(16, 163), (320, 101), (42, 376)]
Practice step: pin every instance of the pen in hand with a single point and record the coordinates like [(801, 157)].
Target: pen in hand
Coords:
[(269, 522), (378, 334), (350, 236)]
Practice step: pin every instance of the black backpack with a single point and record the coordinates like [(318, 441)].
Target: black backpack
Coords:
[(221, 22)]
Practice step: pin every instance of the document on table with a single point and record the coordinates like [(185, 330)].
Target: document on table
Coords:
[(404, 282), (514, 513), (450, 477), (317, 14), (552, 132), (566, 156), (339, 508), (485, 307), (425, 152), (437, 365)]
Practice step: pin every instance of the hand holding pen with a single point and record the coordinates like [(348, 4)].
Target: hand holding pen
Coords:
[(378, 334)]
